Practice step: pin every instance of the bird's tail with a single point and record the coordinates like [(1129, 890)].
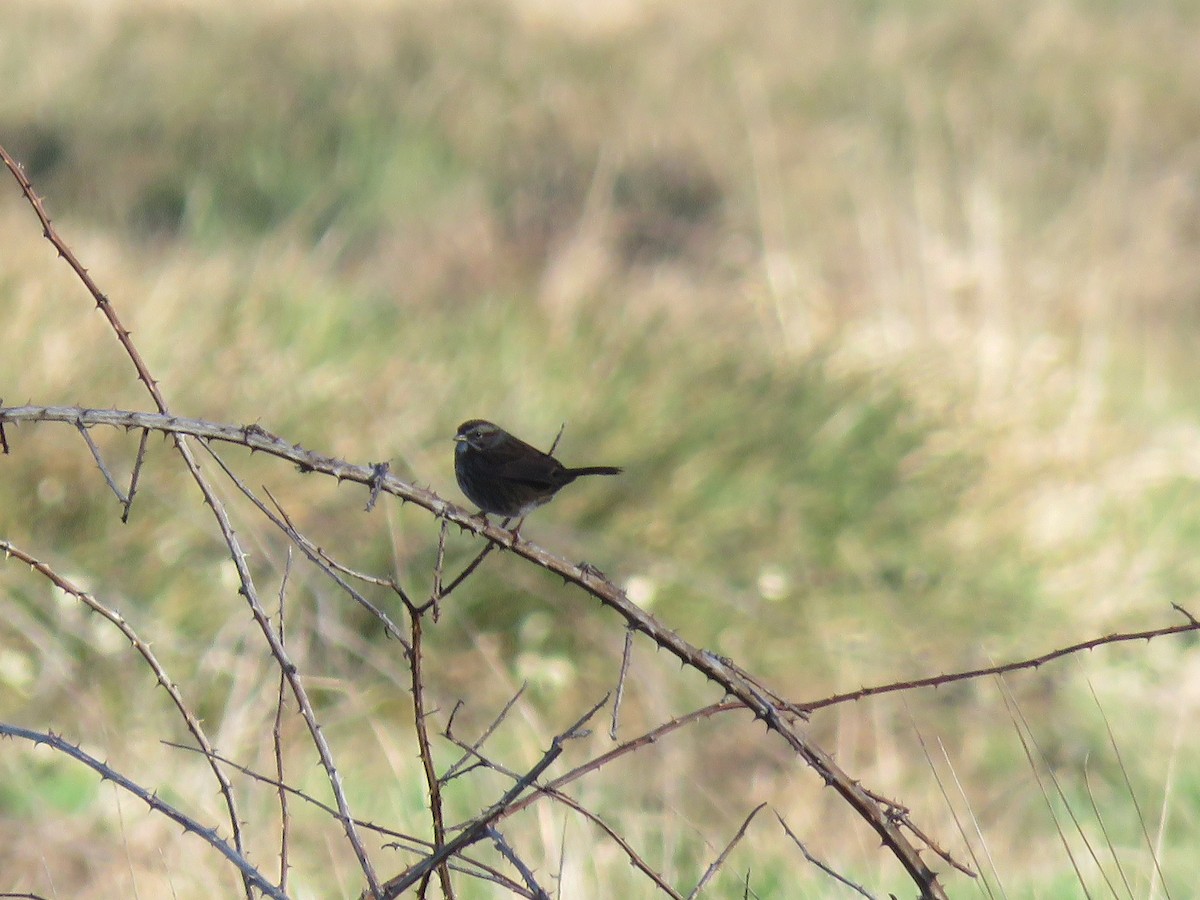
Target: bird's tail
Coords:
[(594, 470)]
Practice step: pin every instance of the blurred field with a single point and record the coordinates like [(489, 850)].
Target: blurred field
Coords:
[(889, 311)]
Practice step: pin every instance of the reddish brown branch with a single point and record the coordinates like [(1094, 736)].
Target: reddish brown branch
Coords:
[(634, 857), (432, 783), (762, 703), (478, 828), (143, 374), (650, 737), (102, 303), (1031, 663)]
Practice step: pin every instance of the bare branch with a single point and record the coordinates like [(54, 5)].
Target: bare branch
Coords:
[(901, 815), (432, 783), (288, 668), (108, 478), (284, 523), (1187, 615), (378, 471), (208, 835), (296, 792), (435, 597), (526, 873), (277, 735), (1031, 663), (136, 474), (143, 648), (720, 860), (821, 865), (650, 737), (559, 797), (620, 694), (465, 573), (451, 772), (143, 373), (748, 691), (477, 829)]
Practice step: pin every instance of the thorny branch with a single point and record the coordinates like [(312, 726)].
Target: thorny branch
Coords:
[(277, 735), (1031, 663), (225, 526), (469, 866), (433, 784), (720, 860), (749, 692), (156, 803), (824, 867), (143, 648), (543, 790), (779, 715), (478, 828)]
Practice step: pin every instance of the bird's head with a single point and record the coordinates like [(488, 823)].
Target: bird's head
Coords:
[(477, 433)]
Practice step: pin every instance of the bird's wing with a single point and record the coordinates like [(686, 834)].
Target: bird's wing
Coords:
[(521, 462)]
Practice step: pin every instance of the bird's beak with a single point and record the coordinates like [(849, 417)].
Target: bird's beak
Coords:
[(459, 438)]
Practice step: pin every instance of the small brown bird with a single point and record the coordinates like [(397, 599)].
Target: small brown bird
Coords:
[(505, 476)]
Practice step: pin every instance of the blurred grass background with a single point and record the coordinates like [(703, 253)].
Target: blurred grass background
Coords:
[(889, 311)]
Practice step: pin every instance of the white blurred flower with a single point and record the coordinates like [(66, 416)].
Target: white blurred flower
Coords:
[(641, 589), (545, 671), (16, 670), (773, 583)]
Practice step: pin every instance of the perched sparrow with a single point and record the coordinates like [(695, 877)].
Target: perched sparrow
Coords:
[(505, 476)]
